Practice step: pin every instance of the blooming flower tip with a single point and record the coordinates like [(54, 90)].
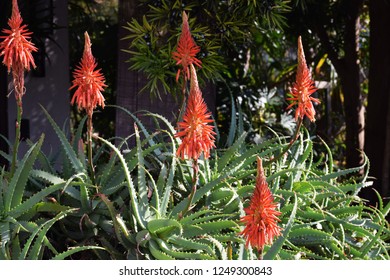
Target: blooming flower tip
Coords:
[(303, 88), (195, 130), (88, 81), (16, 47), (186, 51), (261, 215)]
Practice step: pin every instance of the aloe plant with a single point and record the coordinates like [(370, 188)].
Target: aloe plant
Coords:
[(331, 221), (323, 217), (134, 208), (23, 230), (158, 232)]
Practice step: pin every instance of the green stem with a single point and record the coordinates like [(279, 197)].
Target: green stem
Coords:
[(193, 190), (183, 101), (295, 137), (89, 139), (17, 134)]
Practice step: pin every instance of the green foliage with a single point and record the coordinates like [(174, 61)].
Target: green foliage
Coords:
[(331, 221), (141, 193), (140, 204), (135, 209), (25, 217), (222, 29)]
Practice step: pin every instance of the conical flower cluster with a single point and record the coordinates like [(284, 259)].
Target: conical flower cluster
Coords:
[(195, 131), (88, 81), (261, 219), (186, 51), (303, 88), (17, 49)]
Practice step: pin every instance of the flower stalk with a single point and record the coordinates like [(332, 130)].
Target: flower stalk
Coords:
[(90, 144), (195, 168), (17, 51), (89, 84), (292, 141), (301, 93), (196, 133), (19, 113)]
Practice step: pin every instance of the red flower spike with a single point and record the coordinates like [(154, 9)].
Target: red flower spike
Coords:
[(89, 82), (196, 133), (16, 46), (261, 215), (303, 88), (16, 49), (186, 50)]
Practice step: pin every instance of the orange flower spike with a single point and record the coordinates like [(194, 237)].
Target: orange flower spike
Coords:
[(186, 50), (89, 82), (303, 88), (16, 47), (196, 133), (261, 215)]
